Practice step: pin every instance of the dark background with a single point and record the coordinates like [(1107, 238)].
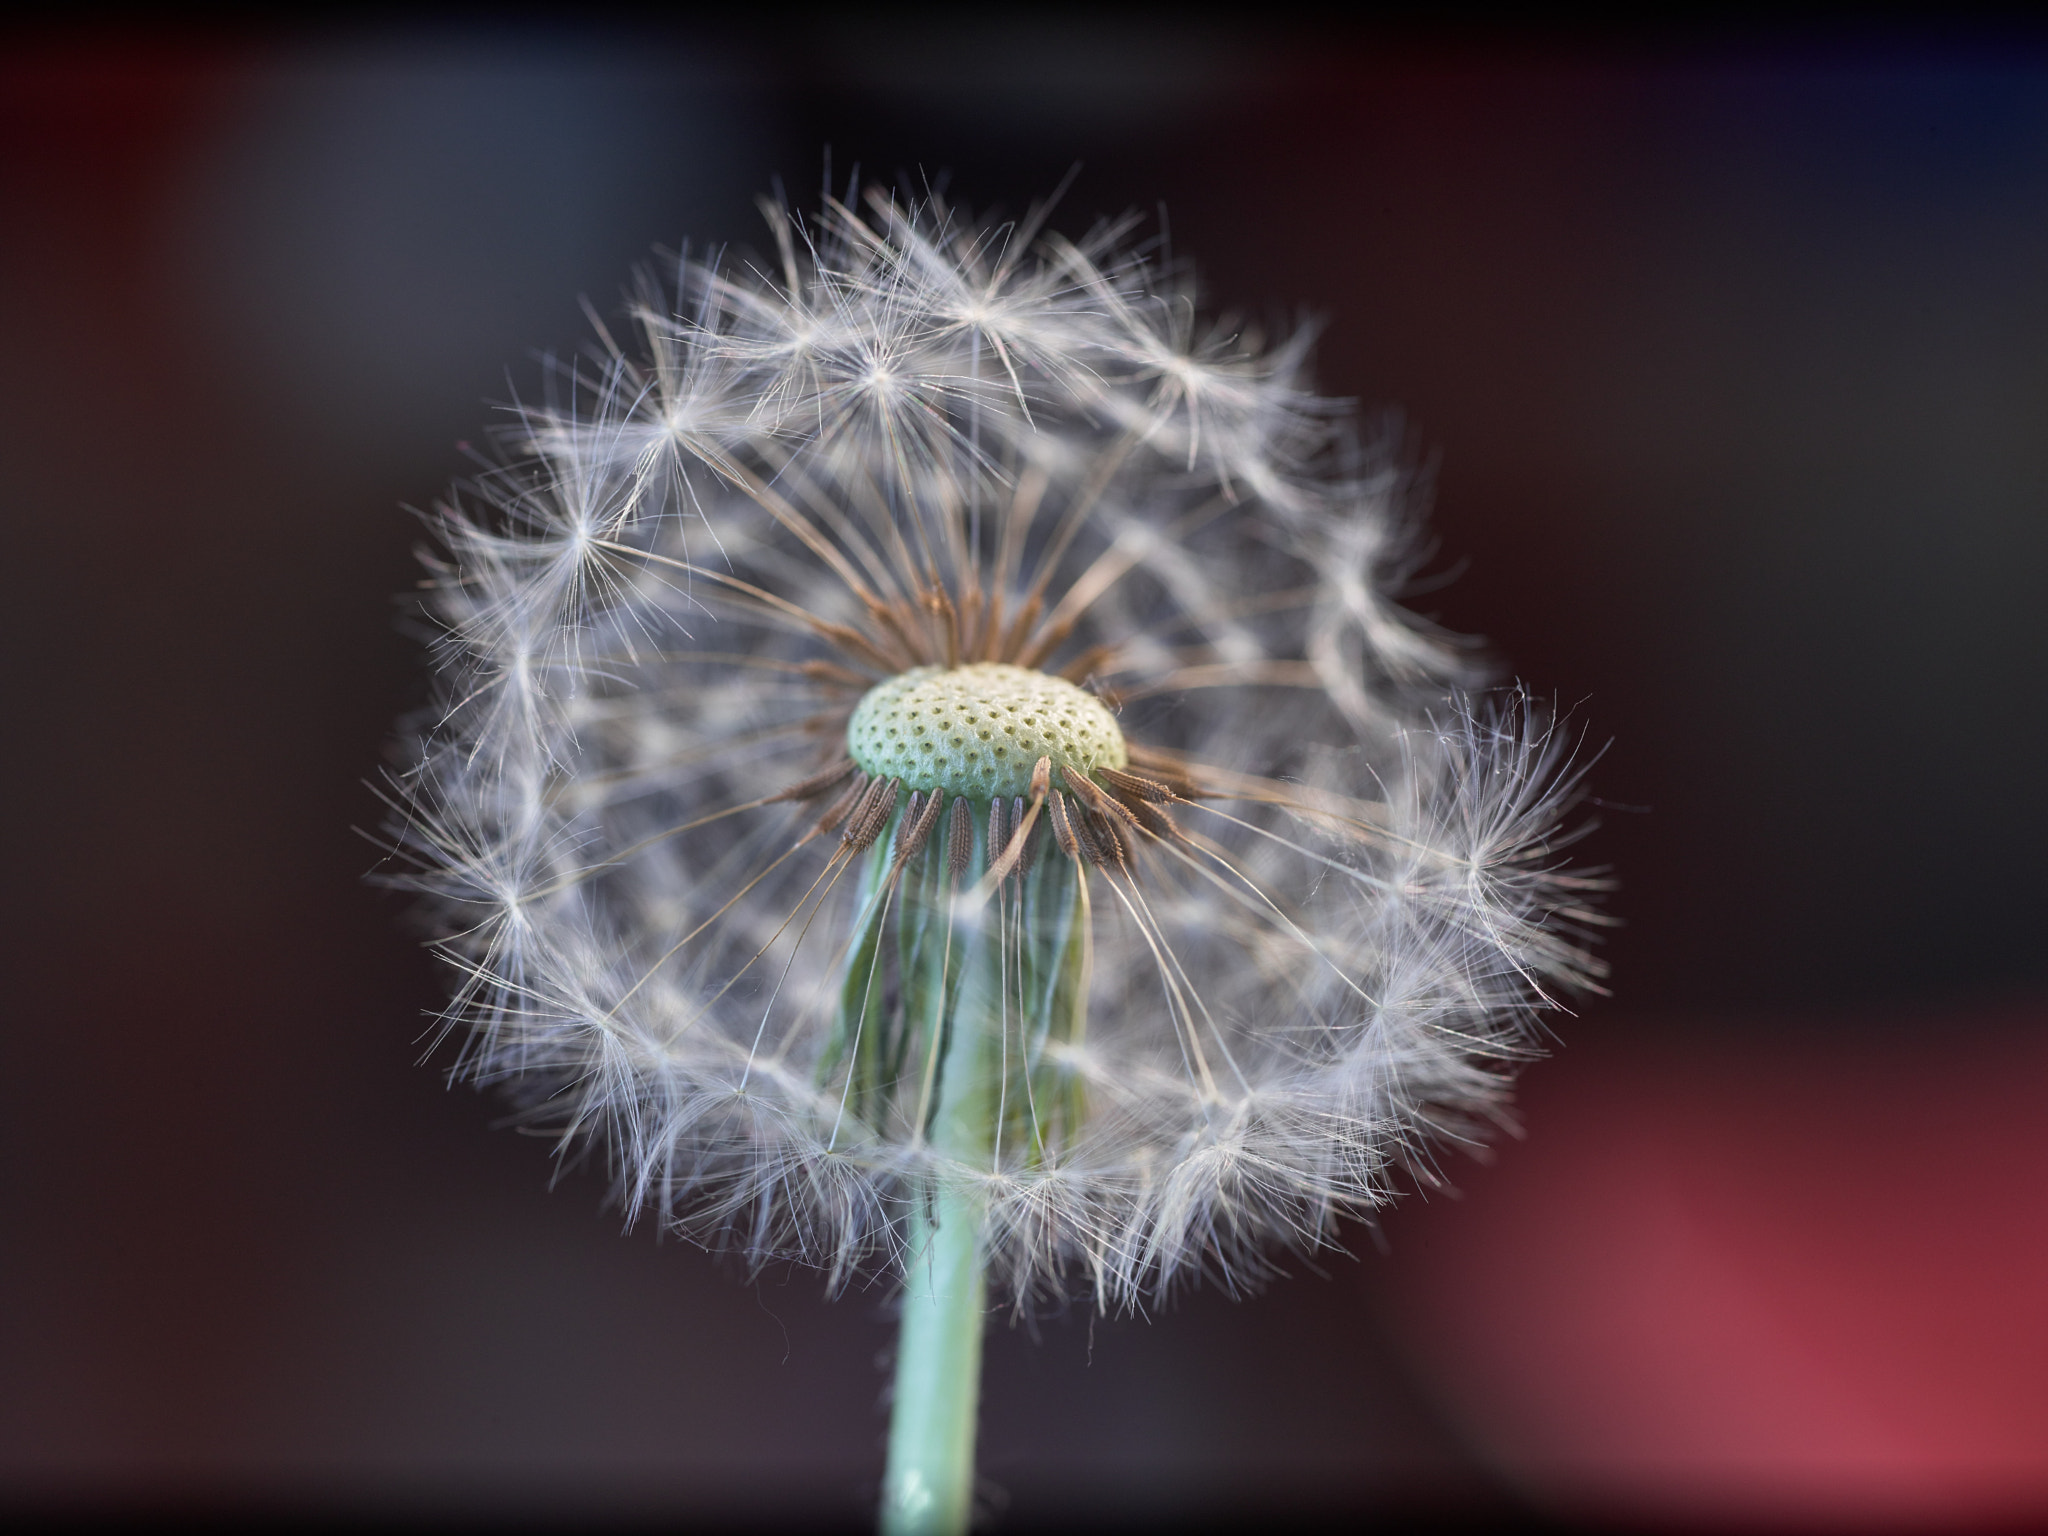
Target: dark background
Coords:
[(1730, 351)]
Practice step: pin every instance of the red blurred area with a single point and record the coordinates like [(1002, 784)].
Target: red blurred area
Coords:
[(1758, 1280)]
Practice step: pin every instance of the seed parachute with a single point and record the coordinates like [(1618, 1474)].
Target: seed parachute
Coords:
[(929, 720)]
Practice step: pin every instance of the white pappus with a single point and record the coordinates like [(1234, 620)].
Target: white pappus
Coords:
[(938, 624)]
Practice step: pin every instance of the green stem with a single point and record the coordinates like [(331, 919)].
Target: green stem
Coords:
[(978, 1093), (929, 1488)]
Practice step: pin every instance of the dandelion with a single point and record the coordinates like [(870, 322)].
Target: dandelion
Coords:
[(930, 775)]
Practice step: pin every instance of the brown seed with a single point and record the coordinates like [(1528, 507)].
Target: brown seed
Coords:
[(1135, 786), (1026, 835), (998, 832), (918, 821), (1062, 824), (841, 808), (1097, 836), (867, 822), (1166, 769), (959, 838), (1090, 794), (1153, 819)]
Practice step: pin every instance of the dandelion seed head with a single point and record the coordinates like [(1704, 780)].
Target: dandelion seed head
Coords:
[(931, 642)]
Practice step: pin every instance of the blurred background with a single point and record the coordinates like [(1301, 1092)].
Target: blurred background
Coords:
[(1730, 355)]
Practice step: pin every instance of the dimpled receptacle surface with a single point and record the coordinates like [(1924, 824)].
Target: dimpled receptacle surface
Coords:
[(979, 730)]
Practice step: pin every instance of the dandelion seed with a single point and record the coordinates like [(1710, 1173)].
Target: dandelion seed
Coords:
[(931, 775)]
